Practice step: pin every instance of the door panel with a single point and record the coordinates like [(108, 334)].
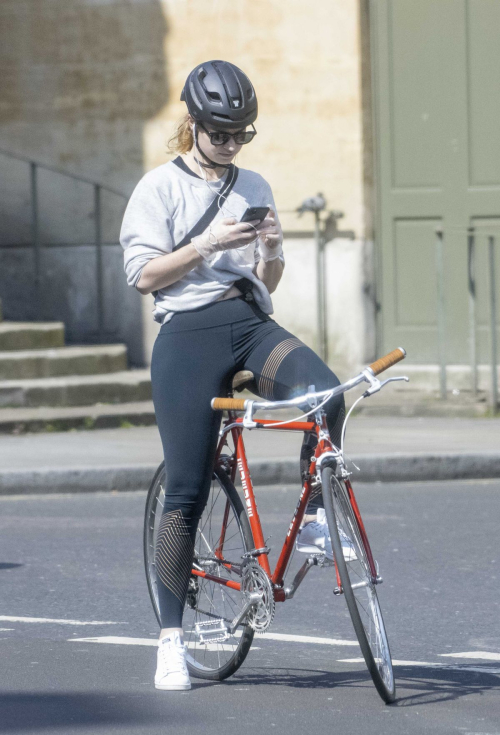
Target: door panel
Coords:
[(437, 106), (416, 91), (415, 284), (484, 91)]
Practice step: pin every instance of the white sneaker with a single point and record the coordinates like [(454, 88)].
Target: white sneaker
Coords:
[(171, 671), (315, 536)]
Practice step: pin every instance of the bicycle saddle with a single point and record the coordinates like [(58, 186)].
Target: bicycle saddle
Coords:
[(242, 380)]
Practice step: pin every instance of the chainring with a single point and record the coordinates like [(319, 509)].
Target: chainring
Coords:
[(255, 579)]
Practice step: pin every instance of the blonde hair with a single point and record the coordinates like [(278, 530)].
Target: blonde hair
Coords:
[(182, 139)]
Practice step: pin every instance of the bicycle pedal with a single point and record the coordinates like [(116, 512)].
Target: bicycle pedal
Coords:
[(211, 631), (321, 560)]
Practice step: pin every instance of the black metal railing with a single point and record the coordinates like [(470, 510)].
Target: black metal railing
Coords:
[(38, 245)]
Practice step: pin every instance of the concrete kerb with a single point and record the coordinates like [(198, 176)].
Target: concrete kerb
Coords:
[(373, 468)]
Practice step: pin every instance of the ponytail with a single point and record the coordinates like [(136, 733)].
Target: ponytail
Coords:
[(182, 139)]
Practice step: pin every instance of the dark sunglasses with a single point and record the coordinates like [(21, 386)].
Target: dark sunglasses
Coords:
[(219, 137)]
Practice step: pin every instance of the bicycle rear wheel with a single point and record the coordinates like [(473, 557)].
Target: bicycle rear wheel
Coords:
[(223, 537), (357, 573)]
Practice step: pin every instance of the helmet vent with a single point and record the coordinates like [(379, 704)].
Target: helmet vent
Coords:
[(214, 96)]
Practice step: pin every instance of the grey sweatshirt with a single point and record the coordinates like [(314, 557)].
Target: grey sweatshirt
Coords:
[(165, 205)]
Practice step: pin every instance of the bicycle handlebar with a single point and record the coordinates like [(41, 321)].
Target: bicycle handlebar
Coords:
[(228, 404), (240, 404), (388, 361)]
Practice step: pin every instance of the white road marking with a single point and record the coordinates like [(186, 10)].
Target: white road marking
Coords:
[(428, 664), (486, 655), (269, 636), (15, 619), (307, 639), (124, 641), (121, 641), (118, 640)]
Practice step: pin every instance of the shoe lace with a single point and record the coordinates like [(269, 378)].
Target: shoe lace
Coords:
[(322, 529), (174, 656)]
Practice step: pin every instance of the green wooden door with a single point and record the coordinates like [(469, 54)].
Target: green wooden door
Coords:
[(436, 70)]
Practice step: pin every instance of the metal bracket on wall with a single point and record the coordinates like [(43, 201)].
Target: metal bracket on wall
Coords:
[(325, 230)]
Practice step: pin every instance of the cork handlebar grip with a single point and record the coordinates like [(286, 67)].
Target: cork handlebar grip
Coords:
[(386, 362), (228, 404)]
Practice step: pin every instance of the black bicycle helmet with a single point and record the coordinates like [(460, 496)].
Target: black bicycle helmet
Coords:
[(220, 94)]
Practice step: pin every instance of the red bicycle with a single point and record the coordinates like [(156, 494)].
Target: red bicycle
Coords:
[(232, 590)]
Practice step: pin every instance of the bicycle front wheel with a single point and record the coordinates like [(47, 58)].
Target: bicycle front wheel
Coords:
[(223, 537), (357, 573)]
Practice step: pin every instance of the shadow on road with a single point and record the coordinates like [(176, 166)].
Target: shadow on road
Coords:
[(298, 678), (20, 711), (9, 565), (442, 685), (431, 685)]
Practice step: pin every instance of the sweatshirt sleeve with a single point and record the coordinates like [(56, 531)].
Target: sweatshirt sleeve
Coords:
[(146, 229)]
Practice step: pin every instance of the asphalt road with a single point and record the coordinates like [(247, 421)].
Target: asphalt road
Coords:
[(77, 560)]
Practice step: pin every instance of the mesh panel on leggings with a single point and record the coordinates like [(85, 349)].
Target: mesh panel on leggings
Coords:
[(316, 498), (174, 553), (336, 430), (276, 357)]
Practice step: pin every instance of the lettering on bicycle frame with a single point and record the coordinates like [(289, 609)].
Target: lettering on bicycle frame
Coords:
[(296, 511), (245, 488)]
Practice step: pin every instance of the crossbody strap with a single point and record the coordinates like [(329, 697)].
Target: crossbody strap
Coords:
[(212, 210)]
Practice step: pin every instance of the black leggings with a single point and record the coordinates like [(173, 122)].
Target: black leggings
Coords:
[(195, 357)]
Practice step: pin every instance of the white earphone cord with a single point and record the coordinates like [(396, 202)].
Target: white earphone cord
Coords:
[(221, 207)]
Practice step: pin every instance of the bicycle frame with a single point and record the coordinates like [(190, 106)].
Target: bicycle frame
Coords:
[(237, 461)]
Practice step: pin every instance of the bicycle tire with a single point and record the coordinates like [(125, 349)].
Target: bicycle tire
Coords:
[(356, 577), (209, 661)]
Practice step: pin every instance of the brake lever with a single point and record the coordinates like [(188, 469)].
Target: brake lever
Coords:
[(248, 421), (377, 385)]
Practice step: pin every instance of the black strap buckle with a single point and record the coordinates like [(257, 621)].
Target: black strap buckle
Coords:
[(246, 287)]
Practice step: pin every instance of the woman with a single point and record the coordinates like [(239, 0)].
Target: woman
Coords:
[(212, 289)]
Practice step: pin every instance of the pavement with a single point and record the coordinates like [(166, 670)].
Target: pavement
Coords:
[(386, 449), (78, 632)]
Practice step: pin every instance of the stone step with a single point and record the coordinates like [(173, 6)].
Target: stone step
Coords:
[(65, 418), (77, 390), (57, 361), (31, 335)]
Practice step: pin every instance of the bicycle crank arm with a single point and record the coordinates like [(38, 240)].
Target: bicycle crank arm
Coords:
[(310, 562), (253, 598)]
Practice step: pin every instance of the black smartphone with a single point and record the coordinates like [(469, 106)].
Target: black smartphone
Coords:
[(255, 213)]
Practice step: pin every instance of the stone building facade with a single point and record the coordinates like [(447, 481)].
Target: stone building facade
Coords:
[(92, 87)]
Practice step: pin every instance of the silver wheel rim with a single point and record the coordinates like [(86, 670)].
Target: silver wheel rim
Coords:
[(363, 589)]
